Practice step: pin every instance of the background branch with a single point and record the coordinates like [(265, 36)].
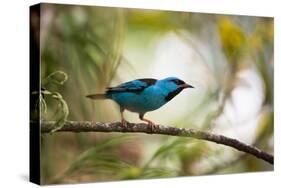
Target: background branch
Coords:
[(87, 126)]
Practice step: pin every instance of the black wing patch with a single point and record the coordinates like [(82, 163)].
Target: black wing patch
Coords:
[(133, 86), (148, 81), (123, 89)]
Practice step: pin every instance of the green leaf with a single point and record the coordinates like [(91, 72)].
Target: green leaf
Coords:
[(43, 104), (96, 157), (46, 92), (64, 112), (159, 172), (164, 149), (57, 77)]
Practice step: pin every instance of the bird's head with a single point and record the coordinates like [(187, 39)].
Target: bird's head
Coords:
[(173, 86)]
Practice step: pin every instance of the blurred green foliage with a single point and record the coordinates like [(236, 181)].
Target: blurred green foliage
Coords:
[(82, 51)]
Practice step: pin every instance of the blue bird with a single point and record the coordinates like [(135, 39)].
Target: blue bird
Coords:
[(143, 95)]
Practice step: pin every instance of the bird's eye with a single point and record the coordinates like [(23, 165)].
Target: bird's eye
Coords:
[(178, 82)]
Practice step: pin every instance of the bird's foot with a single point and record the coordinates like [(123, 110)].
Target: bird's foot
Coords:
[(124, 123), (151, 124)]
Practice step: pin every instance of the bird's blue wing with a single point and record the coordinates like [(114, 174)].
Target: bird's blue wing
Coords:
[(132, 86)]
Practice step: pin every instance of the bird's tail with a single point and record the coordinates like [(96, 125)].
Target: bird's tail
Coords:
[(97, 96)]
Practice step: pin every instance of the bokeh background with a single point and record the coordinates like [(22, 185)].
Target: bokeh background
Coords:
[(228, 59)]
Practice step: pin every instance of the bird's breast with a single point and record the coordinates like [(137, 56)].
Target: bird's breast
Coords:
[(147, 100)]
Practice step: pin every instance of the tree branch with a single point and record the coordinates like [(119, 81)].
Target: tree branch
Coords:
[(87, 126)]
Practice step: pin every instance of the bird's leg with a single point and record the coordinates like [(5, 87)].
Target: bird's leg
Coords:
[(150, 123), (123, 121)]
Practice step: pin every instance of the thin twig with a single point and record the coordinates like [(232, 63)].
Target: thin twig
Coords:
[(87, 126)]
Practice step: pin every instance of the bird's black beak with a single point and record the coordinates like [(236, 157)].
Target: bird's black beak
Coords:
[(186, 86)]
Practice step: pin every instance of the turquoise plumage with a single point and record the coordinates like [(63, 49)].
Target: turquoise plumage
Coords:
[(143, 95)]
